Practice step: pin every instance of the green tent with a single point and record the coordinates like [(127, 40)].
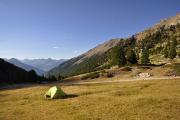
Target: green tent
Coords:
[(54, 93)]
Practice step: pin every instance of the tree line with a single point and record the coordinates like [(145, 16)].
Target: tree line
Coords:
[(121, 56)]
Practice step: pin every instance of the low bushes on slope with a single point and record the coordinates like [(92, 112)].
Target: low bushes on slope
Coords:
[(92, 75), (175, 69)]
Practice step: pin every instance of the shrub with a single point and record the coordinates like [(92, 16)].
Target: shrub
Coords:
[(175, 69), (103, 73), (126, 69), (107, 66), (110, 74), (92, 75)]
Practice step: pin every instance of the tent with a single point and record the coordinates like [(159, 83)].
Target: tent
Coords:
[(54, 93)]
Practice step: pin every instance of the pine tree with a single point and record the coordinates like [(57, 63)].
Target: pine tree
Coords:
[(118, 56), (60, 77), (115, 56), (122, 59), (52, 78), (145, 56), (131, 57), (172, 49), (166, 52)]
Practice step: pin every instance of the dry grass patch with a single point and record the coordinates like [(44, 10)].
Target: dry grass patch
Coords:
[(142, 100)]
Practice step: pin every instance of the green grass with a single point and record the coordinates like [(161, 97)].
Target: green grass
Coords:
[(141, 100)]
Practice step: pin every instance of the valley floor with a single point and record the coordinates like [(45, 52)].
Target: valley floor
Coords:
[(142, 100)]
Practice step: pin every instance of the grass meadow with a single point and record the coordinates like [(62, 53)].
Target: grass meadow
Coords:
[(137, 100)]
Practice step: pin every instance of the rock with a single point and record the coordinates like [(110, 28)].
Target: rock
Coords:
[(145, 75)]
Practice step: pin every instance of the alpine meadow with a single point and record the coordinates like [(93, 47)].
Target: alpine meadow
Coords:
[(89, 60)]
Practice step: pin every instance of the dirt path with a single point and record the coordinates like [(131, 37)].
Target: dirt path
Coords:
[(123, 80), (80, 82)]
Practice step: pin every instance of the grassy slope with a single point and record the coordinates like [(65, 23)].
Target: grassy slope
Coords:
[(142, 100)]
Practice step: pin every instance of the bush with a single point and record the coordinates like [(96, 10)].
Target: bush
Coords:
[(110, 74), (126, 69), (144, 67), (175, 69), (106, 66), (84, 77), (102, 67), (103, 71), (92, 75)]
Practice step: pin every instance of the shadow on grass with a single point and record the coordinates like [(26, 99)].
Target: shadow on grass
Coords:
[(91, 92), (69, 96), (63, 97)]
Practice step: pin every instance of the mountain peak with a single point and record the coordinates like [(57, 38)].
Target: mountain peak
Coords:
[(13, 59), (163, 23)]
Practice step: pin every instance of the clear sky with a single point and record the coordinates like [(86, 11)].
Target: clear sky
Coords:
[(67, 28)]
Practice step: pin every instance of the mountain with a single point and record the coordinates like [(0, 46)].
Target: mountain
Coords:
[(87, 61), (165, 23), (10, 73), (154, 38), (81, 62), (43, 64), (24, 66)]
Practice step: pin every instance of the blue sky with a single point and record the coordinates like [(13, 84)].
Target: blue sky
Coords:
[(66, 28)]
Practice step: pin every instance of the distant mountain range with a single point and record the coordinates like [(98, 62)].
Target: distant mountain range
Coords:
[(43, 64), (40, 66), (154, 38), (26, 67)]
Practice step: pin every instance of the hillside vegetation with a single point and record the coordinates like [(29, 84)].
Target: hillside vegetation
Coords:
[(10, 73), (161, 40)]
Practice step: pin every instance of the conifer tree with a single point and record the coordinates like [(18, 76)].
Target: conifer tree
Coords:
[(118, 56), (166, 52), (172, 49), (145, 56), (131, 57), (122, 59), (60, 77), (115, 56)]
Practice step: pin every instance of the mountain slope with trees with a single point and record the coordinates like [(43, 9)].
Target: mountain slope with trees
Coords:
[(10, 73), (163, 39)]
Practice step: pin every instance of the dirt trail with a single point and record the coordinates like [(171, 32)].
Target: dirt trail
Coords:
[(123, 80), (17, 86)]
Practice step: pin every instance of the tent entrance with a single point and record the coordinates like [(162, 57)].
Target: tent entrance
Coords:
[(48, 96)]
